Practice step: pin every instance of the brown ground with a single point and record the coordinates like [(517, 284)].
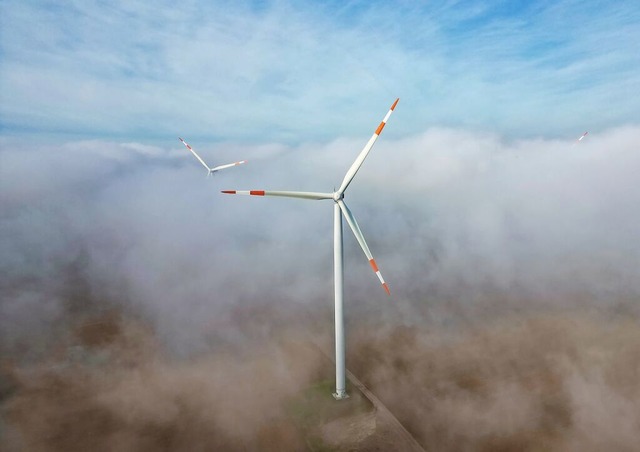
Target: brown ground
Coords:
[(111, 387), (555, 383)]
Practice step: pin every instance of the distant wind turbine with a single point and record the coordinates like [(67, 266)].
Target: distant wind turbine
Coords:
[(581, 138), (210, 170), (340, 208)]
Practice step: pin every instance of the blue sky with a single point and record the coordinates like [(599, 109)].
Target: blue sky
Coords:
[(297, 71)]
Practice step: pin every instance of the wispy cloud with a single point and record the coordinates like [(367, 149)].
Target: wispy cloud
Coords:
[(291, 72)]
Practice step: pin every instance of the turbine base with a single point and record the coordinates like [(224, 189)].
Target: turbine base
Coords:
[(340, 395)]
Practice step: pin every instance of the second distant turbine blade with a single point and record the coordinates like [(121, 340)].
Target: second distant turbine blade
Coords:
[(196, 155), (217, 168)]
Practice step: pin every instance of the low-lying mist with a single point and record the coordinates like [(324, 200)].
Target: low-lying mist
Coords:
[(107, 384), (143, 310), (546, 382)]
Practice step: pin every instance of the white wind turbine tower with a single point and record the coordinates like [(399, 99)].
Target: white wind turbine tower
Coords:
[(210, 170), (340, 208)]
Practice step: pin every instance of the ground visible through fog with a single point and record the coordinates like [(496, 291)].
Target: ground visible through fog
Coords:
[(540, 382)]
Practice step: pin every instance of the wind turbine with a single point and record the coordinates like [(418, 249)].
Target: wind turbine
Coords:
[(210, 170), (581, 137), (339, 209)]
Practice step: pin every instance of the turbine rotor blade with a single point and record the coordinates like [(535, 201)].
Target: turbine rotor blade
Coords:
[(217, 168), (196, 155), (353, 224), (365, 151), (285, 194)]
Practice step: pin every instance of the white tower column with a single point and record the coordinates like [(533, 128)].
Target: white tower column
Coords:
[(341, 391)]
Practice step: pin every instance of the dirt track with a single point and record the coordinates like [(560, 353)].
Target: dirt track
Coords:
[(390, 433)]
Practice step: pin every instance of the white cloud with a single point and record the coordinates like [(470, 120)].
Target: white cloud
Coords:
[(450, 216)]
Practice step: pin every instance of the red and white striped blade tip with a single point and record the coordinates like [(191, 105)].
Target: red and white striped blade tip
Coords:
[(374, 266), (244, 192), (386, 118)]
